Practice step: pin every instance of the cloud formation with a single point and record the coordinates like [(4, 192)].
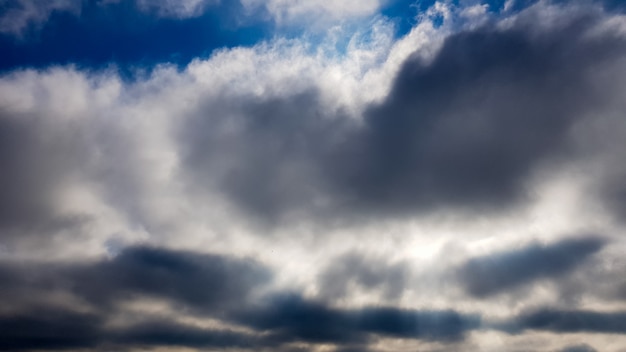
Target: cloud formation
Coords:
[(296, 319), (204, 282)]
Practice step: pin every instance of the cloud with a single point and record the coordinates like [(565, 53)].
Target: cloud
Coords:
[(505, 271), (448, 120), (293, 318), (366, 273), (457, 130), (72, 305), (465, 130), (47, 329), (579, 348), (575, 321), (167, 334), (39, 157), (206, 283)]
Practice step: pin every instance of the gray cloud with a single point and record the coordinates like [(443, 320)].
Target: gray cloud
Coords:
[(53, 329), (505, 271), (37, 158), (206, 283), (205, 286), (571, 321), (579, 348), (293, 318), (373, 274), (202, 284)]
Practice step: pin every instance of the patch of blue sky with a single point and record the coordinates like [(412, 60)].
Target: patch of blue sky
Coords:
[(121, 35)]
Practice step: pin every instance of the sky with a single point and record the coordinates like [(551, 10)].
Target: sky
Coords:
[(313, 176)]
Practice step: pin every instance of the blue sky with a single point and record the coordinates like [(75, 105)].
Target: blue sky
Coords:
[(312, 176)]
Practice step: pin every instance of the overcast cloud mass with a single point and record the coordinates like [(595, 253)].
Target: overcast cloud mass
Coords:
[(312, 176)]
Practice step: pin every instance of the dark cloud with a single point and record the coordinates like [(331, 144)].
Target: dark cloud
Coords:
[(45, 299), (53, 329), (48, 329), (206, 283), (574, 321), (168, 334), (71, 306), (469, 127), (501, 272), (372, 274), (292, 318), (465, 130)]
